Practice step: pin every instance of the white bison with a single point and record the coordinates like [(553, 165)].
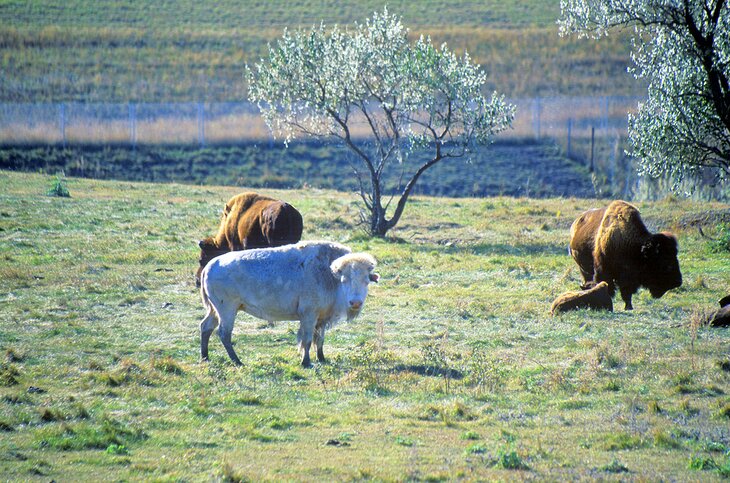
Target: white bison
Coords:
[(316, 283)]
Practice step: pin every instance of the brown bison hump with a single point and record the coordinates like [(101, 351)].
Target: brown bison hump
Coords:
[(236, 220), (281, 224), (621, 232)]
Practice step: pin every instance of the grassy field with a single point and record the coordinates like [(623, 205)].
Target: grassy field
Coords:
[(455, 370), (120, 51)]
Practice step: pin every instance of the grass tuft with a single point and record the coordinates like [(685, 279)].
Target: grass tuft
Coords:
[(8, 375), (622, 441), (227, 473), (86, 435), (470, 435), (12, 355), (50, 415), (701, 463), (168, 365), (724, 411), (615, 466), (6, 427)]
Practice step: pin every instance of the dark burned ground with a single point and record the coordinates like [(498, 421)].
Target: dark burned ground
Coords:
[(530, 168), (527, 168)]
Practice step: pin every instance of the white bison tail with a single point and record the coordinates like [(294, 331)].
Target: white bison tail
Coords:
[(209, 306)]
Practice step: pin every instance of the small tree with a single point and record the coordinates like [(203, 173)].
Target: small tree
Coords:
[(382, 97), (682, 48)]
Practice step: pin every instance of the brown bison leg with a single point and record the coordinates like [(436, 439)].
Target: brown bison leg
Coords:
[(626, 293), (207, 326)]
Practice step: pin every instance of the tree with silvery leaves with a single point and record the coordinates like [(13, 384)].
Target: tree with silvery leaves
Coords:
[(682, 48), (382, 97)]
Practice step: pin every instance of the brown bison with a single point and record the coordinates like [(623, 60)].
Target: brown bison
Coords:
[(613, 245), (250, 220), (595, 298), (721, 318)]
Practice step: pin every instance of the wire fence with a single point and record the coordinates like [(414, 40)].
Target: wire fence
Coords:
[(564, 119)]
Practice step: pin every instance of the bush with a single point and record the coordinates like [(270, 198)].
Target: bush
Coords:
[(722, 242), (58, 188)]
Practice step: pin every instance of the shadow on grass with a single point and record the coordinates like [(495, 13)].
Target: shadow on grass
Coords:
[(498, 249), (431, 371)]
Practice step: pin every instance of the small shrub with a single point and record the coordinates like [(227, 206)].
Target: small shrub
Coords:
[(476, 448), (118, 449), (58, 188), (404, 441), (721, 243), (486, 373), (508, 459)]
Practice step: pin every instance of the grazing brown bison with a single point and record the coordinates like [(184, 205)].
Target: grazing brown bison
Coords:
[(595, 298), (250, 220), (613, 245)]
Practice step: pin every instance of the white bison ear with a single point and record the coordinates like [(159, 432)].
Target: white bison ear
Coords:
[(374, 277)]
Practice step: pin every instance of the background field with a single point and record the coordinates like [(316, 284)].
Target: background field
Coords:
[(150, 51), (454, 371)]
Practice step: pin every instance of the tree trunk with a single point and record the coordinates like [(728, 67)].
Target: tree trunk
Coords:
[(378, 224)]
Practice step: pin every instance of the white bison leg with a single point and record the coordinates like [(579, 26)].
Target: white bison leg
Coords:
[(319, 342), (207, 326), (304, 336), (227, 315)]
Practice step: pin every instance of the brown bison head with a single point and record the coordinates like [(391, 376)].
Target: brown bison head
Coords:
[(208, 251), (661, 267)]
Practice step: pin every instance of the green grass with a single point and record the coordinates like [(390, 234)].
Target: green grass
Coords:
[(189, 50), (455, 370)]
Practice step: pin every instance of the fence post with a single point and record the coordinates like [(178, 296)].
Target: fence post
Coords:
[(62, 118), (201, 124), (593, 142), (570, 129), (132, 111), (536, 115)]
